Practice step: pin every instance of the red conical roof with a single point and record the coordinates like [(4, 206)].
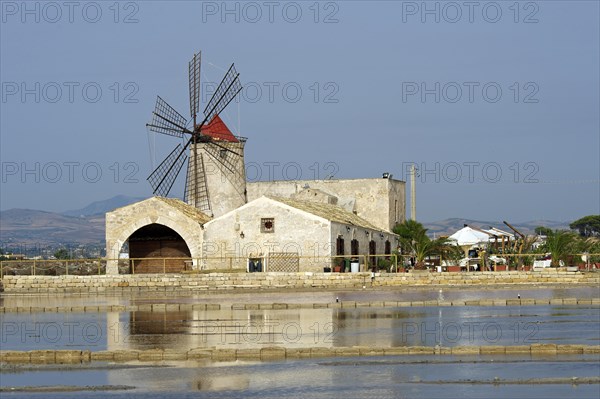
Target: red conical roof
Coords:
[(217, 129)]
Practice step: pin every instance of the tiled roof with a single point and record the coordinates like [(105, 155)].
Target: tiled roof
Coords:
[(186, 209), (330, 212)]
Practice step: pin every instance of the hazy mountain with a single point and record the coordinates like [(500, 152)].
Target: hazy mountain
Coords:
[(101, 207), (31, 227), (34, 228)]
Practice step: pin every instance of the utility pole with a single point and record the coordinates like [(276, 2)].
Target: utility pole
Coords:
[(413, 193)]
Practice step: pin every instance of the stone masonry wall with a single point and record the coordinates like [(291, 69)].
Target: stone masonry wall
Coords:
[(380, 201), (308, 280)]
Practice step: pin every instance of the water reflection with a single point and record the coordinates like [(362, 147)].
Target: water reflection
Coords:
[(228, 298), (362, 327), (324, 327)]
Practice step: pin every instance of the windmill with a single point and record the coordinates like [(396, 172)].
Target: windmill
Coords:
[(215, 180)]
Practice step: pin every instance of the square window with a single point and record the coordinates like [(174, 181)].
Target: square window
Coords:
[(267, 225)]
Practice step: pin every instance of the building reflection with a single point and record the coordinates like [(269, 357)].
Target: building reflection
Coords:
[(232, 329)]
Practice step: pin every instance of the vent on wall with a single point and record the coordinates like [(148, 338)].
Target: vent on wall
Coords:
[(267, 225)]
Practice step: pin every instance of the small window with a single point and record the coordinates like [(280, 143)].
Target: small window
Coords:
[(267, 225), (354, 247), (388, 248), (339, 246)]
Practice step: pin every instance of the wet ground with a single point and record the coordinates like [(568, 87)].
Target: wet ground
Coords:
[(477, 377), (501, 376), (293, 296)]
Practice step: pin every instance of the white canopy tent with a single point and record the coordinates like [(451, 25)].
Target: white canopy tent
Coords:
[(467, 238)]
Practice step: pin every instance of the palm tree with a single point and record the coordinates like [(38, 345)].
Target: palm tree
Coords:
[(560, 243), (452, 253), (409, 230), (415, 242), (591, 247)]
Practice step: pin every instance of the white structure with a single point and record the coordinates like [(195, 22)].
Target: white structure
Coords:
[(292, 235), (300, 232), (380, 201), (468, 236)]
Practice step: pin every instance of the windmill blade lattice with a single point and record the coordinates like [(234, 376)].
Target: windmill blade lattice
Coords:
[(228, 161), (194, 84), (211, 142), (223, 155), (229, 87), (166, 120), (163, 177), (197, 194)]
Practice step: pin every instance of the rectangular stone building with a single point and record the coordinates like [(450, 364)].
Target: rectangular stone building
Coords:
[(290, 235), (380, 201)]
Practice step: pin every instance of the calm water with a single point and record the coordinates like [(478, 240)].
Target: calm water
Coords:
[(374, 377), (369, 294), (361, 377), (183, 330)]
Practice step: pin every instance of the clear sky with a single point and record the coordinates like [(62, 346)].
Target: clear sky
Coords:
[(496, 102)]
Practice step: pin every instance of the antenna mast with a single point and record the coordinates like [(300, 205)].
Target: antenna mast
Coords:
[(413, 193)]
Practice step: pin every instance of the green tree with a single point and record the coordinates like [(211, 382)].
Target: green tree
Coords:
[(561, 243), (588, 226), (543, 231), (62, 253), (452, 253), (415, 242), (591, 245), (409, 230)]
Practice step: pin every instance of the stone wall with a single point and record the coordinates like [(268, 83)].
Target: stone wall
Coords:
[(225, 175), (123, 222), (380, 201), (308, 280), (363, 236), (295, 232), (52, 356)]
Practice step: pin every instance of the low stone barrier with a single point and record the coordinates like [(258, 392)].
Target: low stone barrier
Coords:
[(175, 307), (270, 281), (279, 352)]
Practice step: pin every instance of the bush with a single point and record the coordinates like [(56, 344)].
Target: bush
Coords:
[(384, 264)]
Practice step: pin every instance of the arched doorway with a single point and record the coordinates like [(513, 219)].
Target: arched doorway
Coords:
[(151, 244)]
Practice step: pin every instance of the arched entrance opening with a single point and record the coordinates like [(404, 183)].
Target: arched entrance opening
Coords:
[(151, 245)]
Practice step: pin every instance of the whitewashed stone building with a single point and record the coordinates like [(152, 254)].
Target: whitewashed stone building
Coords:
[(284, 226), (266, 226), (288, 235)]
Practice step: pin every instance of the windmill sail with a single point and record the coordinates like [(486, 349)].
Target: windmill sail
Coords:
[(216, 161), (229, 87), (196, 189), (163, 177), (166, 120), (194, 84)]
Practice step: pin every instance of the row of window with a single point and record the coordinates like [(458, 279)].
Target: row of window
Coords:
[(354, 247)]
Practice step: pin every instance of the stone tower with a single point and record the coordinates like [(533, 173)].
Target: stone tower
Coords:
[(216, 179)]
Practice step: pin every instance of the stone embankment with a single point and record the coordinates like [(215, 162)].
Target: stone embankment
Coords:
[(278, 352), (182, 307), (270, 281)]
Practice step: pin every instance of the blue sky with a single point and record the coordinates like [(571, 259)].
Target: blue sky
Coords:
[(496, 103)]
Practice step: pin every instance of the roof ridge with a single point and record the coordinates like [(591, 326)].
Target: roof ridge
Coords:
[(326, 211)]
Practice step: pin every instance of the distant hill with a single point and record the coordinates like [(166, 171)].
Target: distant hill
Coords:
[(101, 207), (38, 228), (29, 227), (450, 226)]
